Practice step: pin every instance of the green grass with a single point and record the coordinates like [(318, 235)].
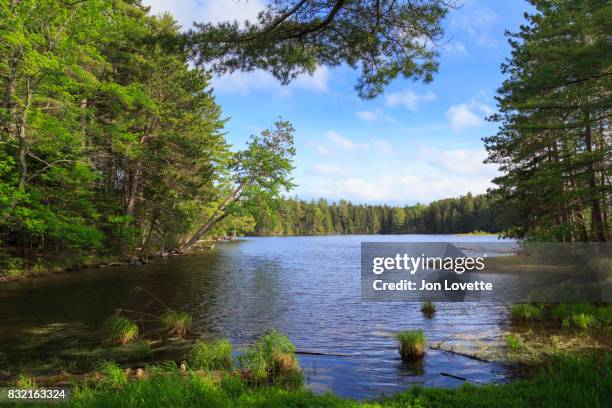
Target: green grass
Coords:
[(216, 355), (514, 342), (120, 330), (176, 323), (525, 312), (271, 360), (428, 309), (567, 381), (578, 315), (584, 321), (411, 344), (112, 374)]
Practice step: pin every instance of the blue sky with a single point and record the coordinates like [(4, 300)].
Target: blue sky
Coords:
[(415, 143)]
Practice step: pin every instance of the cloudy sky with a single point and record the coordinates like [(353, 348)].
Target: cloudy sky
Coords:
[(415, 143)]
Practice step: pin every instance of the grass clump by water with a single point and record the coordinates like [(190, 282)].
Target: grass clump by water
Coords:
[(272, 360), (411, 344), (176, 323), (584, 321), (525, 312), (514, 342), (114, 376), (120, 330), (567, 381), (216, 355), (581, 315), (428, 309)]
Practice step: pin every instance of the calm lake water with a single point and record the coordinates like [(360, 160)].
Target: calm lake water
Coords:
[(307, 287)]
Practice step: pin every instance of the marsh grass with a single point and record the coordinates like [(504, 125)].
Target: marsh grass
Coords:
[(24, 381), (114, 376), (566, 380), (584, 321), (525, 312), (216, 355), (428, 309), (411, 344), (120, 330), (176, 323), (272, 360), (514, 342)]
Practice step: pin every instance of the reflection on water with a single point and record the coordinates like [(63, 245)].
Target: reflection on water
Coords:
[(307, 287)]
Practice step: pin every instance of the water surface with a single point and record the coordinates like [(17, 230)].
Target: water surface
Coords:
[(307, 287)]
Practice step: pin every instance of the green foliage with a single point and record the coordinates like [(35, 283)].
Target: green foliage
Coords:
[(454, 215), (583, 321), (428, 308), (271, 360), (120, 330), (576, 381), (114, 376), (25, 382), (552, 146), (514, 342), (580, 315), (412, 344), (525, 312), (216, 355), (385, 39), (176, 323)]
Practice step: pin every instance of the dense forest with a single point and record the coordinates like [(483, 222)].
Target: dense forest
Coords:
[(554, 145), (452, 215), (112, 144)]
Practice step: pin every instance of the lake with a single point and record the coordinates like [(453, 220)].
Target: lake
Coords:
[(306, 287)]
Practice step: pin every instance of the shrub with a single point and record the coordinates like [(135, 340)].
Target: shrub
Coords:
[(428, 309), (525, 312), (583, 320), (120, 330), (604, 315), (176, 323), (272, 359), (560, 312), (411, 344), (114, 376), (216, 355), (586, 308)]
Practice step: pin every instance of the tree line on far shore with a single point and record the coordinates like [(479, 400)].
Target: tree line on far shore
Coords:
[(465, 214)]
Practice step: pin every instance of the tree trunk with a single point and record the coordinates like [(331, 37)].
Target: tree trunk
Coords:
[(133, 189), (22, 136), (596, 218), (217, 216)]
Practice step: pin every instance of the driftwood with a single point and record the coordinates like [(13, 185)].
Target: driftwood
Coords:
[(452, 351), (459, 378)]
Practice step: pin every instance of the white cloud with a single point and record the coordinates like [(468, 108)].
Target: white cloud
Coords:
[(455, 48), (344, 143), (207, 11), (430, 174), (368, 116), (244, 83), (320, 148), (480, 23), (409, 99), (326, 169), (336, 143), (341, 141), (468, 115), (462, 161), (462, 117)]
